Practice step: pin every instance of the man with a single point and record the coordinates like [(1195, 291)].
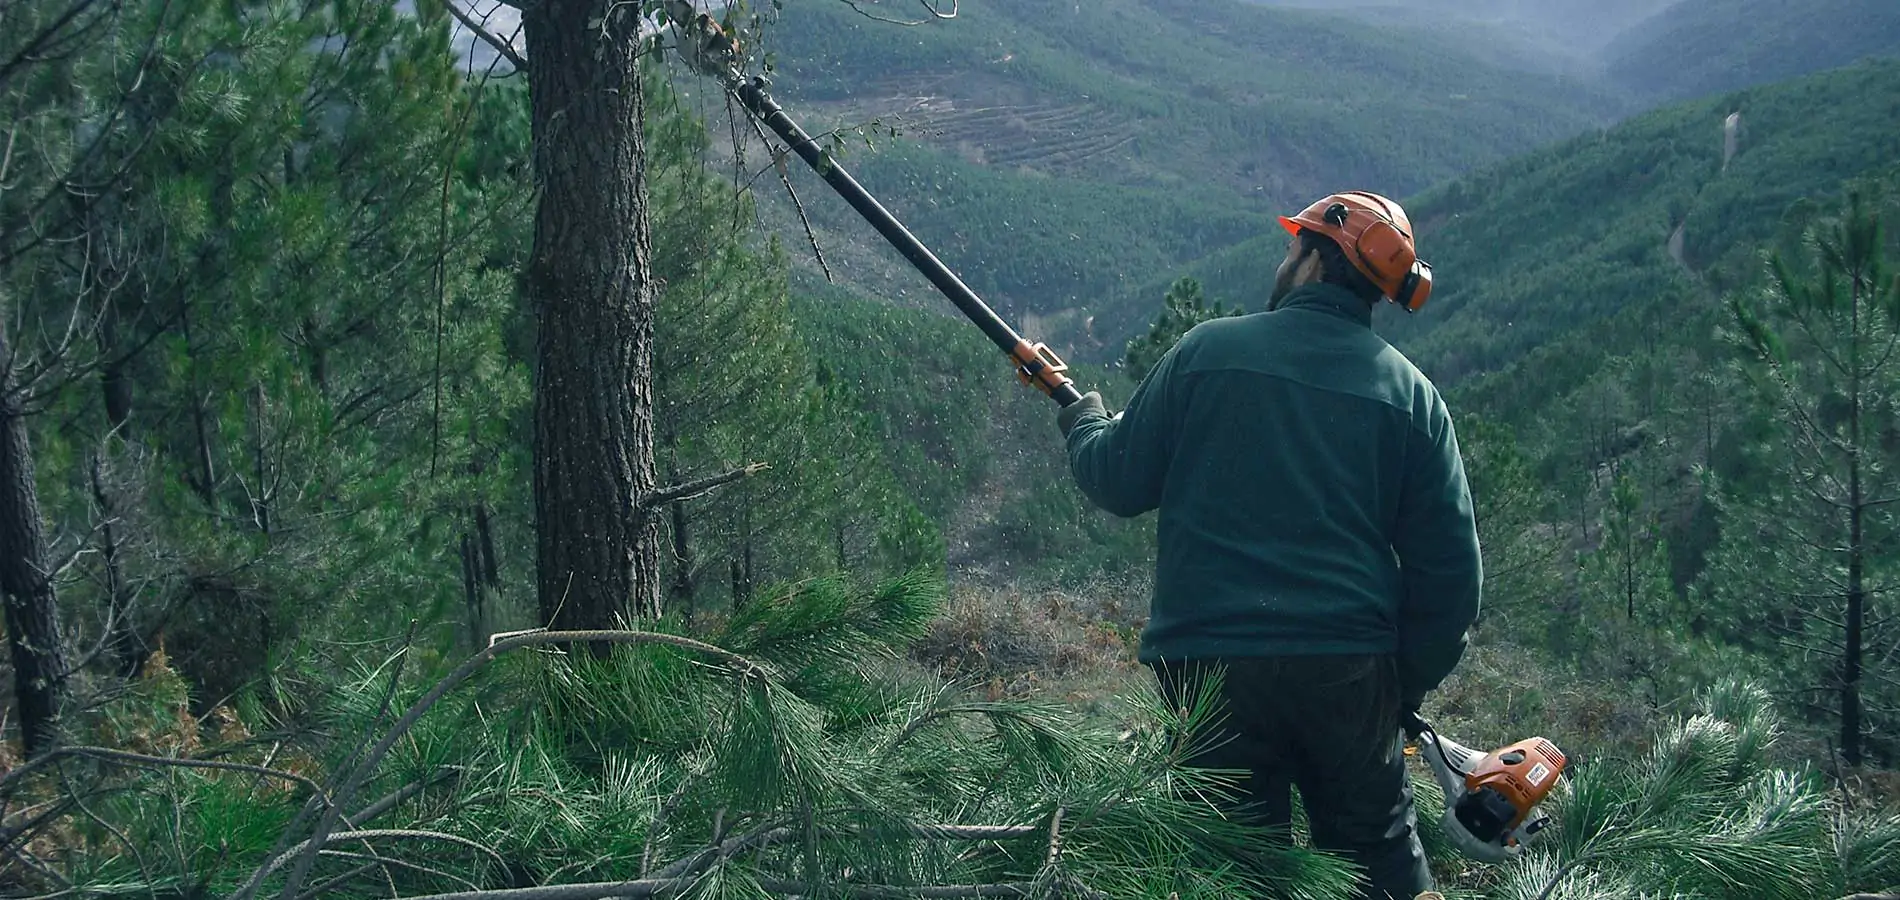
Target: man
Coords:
[(1317, 546)]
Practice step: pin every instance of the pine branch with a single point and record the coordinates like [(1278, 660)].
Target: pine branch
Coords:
[(106, 754), (382, 861), (666, 811), (323, 888), (398, 796), (650, 887), (690, 867), (901, 892), (497, 646), (296, 852), (699, 488)]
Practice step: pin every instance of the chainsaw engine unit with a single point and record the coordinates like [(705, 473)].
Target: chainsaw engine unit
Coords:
[(1491, 799), (1506, 786)]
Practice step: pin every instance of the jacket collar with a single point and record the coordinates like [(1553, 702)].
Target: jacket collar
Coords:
[(1330, 299)]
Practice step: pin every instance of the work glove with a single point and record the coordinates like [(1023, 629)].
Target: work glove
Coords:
[(1409, 719), (1065, 418), (1410, 703)]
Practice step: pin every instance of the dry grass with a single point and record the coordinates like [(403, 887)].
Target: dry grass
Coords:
[(1076, 646)]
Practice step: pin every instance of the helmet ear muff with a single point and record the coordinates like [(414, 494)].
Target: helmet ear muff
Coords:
[(1384, 250), (1416, 288)]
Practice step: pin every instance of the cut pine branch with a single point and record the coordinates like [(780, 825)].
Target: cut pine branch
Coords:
[(500, 644), (699, 488)]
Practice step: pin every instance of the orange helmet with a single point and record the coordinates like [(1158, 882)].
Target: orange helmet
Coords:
[(1376, 237)]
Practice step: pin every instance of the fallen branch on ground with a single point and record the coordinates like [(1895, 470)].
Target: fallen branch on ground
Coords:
[(496, 647)]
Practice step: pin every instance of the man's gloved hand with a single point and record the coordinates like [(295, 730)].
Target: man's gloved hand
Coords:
[(1409, 719), (1065, 419)]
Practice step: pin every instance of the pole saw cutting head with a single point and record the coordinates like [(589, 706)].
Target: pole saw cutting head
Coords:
[(1491, 799)]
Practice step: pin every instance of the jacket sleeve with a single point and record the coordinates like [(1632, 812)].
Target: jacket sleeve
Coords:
[(1121, 463), (1437, 547)]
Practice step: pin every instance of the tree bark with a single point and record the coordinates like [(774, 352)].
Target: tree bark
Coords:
[(113, 382), (588, 280), (472, 592), (485, 535), (683, 562), (32, 610)]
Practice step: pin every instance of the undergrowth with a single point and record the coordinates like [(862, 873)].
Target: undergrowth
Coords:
[(833, 741)]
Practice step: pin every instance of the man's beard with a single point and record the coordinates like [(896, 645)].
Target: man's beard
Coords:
[(1282, 285)]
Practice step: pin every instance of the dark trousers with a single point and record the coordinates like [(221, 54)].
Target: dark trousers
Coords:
[(1328, 725)]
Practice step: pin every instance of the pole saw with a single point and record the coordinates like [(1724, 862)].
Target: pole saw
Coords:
[(706, 47), (1491, 799)]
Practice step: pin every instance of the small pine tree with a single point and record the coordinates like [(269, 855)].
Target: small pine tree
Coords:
[(1803, 557), (1184, 307)]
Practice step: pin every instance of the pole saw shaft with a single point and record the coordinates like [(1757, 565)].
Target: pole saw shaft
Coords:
[(1036, 364)]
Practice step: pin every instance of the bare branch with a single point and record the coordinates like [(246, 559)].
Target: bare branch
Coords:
[(392, 833), (107, 754), (493, 40), (933, 10), (699, 488), (785, 178)]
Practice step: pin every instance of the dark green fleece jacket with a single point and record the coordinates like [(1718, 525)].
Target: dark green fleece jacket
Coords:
[(1311, 495)]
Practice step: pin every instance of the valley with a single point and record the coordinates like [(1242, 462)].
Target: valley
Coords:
[(1194, 122)]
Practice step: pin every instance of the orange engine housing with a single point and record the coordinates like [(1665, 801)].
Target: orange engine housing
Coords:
[(1503, 788)]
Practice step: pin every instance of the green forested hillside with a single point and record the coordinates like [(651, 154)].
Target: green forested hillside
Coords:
[(1558, 239), (1178, 92), (1054, 153), (1572, 234), (1699, 47), (1563, 28)]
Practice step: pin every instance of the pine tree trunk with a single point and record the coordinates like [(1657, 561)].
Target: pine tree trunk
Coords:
[(485, 542), (1856, 595), (588, 279), (32, 611), (113, 382), (683, 587), (1855, 551), (472, 592), (205, 479), (1856, 621)]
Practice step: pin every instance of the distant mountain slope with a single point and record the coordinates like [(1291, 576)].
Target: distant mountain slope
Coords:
[(1700, 47), (1565, 237), (1165, 92), (1054, 152), (1568, 26)]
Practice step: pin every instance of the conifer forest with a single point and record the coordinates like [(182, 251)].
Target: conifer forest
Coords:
[(454, 449)]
